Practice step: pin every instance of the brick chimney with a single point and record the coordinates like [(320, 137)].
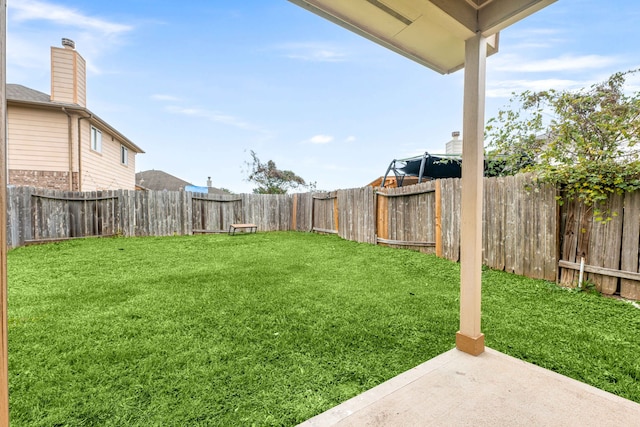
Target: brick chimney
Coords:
[(68, 75)]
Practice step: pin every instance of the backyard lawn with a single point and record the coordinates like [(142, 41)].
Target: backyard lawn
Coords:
[(269, 328)]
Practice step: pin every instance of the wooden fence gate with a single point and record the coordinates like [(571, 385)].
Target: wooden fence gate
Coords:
[(70, 215), (215, 215)]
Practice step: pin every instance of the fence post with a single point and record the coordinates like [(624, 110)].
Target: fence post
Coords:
[(438, 194), (294, 214), (313, 215), (382, 220), (335, 212)]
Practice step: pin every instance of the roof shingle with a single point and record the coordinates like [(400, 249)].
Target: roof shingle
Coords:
[(22, 93)]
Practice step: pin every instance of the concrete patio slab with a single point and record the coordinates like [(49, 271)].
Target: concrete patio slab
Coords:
[(493, 389)]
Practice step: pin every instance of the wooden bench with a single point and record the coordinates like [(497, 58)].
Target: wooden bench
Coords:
[(249, 228)]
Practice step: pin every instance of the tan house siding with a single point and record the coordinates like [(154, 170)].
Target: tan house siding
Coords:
[(39, 153), (39, 139), (68, 76), (81, 76), (104, 170)]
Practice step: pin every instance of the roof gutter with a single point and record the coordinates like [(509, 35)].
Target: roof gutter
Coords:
[(90, 117), (70, 145)]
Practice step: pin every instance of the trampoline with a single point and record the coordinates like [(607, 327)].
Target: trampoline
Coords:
[(440, 166), (426, 167)]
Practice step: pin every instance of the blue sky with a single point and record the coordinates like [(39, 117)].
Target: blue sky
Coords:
[(197, 84)]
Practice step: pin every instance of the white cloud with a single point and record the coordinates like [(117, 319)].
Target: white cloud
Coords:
[(529, 45), (161, 97), (516, 63), (321, 139), (33, 10), (22, 52), (35, 24), (535, 32), (214, 116), (548, 38), (350, 139), (632, 80), (504, 88), (314, 52)]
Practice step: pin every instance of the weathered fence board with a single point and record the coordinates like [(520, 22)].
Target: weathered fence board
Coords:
[(323, 212), (494, 223), (382, 217), (451, 193), (127, 203), (356, 214), (270, 212), (302, 212), (58, 215), (19, 218), (214, 213), (411, 216), (571, 214), (519, 225), (599, 242), (630, 245), (538, 217), (606, 235)]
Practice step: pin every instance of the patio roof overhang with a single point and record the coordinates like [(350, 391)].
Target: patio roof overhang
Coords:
[(445, 35), (430, 32)]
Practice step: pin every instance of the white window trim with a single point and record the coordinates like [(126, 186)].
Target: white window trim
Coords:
[(96, 139), (124, 155)]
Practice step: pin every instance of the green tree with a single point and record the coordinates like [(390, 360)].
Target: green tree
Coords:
[(584, 142), (271, 180)]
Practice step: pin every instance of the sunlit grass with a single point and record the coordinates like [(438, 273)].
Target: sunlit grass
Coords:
[(268, 328)]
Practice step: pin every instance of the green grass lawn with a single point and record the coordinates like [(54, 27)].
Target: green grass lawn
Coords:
[(269, 328)]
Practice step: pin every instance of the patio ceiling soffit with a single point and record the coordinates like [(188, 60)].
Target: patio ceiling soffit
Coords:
[(430, 32)]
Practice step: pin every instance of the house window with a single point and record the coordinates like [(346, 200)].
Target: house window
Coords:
[(96, 139), (124, 155)]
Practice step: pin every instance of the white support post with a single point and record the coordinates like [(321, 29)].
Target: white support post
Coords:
[(469, 338), (4, 347)]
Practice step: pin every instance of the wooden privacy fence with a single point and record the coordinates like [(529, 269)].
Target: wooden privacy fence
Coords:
[(519, 223), (36, 215), (520, 227), (610, 249), (525, 231)]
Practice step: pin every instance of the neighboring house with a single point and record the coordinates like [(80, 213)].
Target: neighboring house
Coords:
[(455, 145), (56, 142), (156, 180), (159, 181)]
